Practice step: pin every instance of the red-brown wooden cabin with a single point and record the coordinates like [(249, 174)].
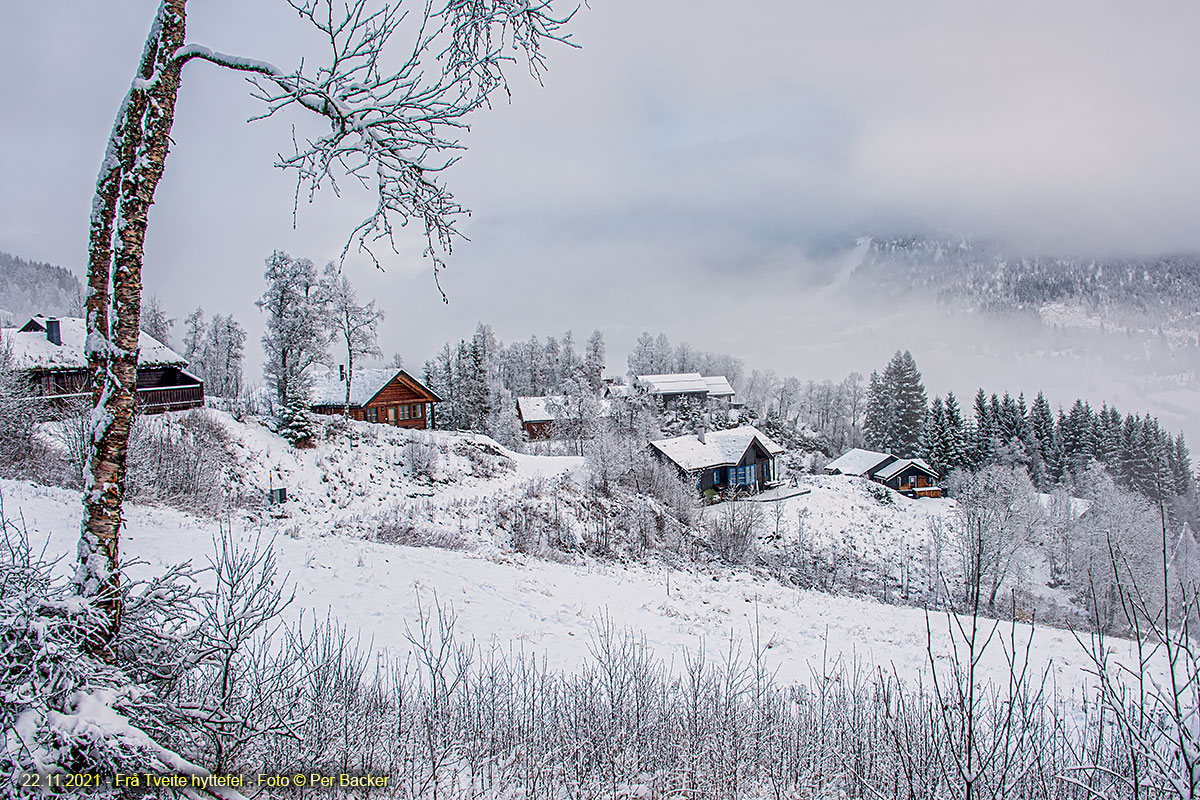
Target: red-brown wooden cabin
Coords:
[(388, 396)]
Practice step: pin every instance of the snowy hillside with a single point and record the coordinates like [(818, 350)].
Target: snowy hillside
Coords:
[(349, 491)]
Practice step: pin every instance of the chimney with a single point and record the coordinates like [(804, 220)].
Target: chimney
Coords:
[(700, 433), (53, 332), (342, 373)]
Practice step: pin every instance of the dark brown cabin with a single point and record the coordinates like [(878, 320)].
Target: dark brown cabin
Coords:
[(50, 352), (911, 477), (388, 396)]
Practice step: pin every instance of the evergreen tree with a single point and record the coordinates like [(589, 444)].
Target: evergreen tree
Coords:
[(936, 447), (902, 381), (1181, 466), (981, 451), (1041, 429), (956, 435), (878, 415)]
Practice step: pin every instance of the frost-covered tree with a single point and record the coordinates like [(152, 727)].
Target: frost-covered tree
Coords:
[(224, 349), (996, 516), (194, 328), (296, 325), (390, 128), (355, 326), (155, 320), (593, 360)]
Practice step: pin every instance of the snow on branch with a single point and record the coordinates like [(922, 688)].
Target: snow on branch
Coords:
[(393, 129)]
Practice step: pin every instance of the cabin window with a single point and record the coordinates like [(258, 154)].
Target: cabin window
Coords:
[(372, 415), (744, 475), (716, 476), (416, 411), (403, 412)]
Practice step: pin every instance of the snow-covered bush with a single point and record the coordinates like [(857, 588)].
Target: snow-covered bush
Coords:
[(179, 458), (62, 710), (423, 456), (18, 412), (734, 528)]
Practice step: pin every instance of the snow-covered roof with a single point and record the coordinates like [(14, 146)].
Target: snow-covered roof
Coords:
[(674, 383), (547, 408), (616, 390), (719, 448), (856, 462), (32, 350), (718, 386), (894, 469), (325, 388)]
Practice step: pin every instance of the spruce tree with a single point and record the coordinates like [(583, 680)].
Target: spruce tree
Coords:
[(878, 415), (1181, 466), (981, 450), (935, 447), (956, 435), (902, 383)]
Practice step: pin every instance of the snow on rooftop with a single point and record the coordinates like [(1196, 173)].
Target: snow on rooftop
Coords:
[(547, 408), (718, 386), (325, 388), (856, 462), (719, 448), (674, 383), (32, 350), (895, 468)]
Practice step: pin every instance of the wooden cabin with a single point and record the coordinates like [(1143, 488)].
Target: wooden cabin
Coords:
[(387, 396), (739, 458), (912, 477), (49, 350), (673, 389), (542, 417)]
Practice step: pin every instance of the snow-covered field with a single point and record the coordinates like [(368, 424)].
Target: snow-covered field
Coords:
[(542, 606)]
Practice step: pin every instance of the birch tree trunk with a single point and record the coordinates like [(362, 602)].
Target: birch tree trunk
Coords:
[(132, 167)]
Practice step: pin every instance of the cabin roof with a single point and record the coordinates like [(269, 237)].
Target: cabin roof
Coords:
[(674, 383), (892, 470), (548, 408), (719, 448), (718, 386), (32, 350), (856, 462), (326, 389)]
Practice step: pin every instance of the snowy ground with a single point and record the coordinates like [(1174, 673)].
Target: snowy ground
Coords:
[(541, 606)]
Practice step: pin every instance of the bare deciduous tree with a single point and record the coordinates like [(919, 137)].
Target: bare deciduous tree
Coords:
[(391, 130), (356, 325)]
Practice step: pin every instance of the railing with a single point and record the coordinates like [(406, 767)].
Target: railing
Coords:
[(170, 398)]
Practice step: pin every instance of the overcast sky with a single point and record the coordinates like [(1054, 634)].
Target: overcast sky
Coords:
[(669, 175)]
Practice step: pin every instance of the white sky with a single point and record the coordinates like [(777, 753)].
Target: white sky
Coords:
[(669, 176)]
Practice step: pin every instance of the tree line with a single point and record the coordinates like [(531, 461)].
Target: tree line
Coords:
[(1052, 447)]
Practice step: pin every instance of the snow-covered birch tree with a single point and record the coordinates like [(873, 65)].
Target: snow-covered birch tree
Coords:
[(390, 129), (355, 326)]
